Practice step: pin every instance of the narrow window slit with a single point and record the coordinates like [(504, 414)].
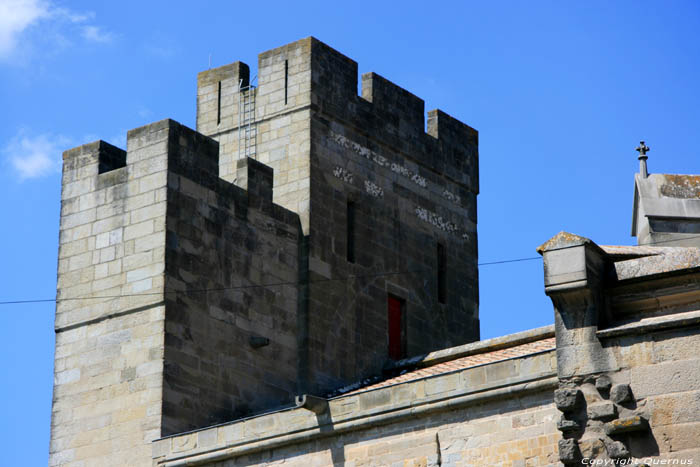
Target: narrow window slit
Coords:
[(286, 79), (350, 232), (218, 105), (442, 273)]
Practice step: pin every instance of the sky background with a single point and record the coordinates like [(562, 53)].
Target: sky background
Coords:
[(561, 93)]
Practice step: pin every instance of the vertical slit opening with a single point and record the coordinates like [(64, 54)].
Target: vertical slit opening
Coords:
[(350, 232), (218, 105), (441, 273), (286, 80)]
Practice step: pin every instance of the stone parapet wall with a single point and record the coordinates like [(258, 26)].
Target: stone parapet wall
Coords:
[(495, 414), (231, 321)]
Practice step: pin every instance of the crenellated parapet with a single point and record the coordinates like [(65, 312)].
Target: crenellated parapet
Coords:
[(309, 74), (159, 304), (213, 274)]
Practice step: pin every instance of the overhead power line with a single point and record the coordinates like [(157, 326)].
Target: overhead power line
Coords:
[(277, 284), (218, 289), (532, 258)]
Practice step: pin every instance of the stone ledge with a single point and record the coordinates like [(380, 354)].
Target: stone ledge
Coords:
[(347, 413), (647, 325), (98, 319), (484, 346)]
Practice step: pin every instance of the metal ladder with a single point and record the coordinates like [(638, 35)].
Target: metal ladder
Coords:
[(247, 131)]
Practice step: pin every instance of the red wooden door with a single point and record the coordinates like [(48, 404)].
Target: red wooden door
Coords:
[(395, 328)]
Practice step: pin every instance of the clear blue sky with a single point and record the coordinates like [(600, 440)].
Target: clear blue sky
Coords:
[(560, 92)]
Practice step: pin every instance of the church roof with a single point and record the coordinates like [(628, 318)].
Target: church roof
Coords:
[(459, 358)]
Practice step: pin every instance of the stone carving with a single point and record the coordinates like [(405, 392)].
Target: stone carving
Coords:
[(583, 409)]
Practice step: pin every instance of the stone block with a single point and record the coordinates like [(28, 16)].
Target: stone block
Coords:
[(602, 410), (665, 378), (592, 448), (678, 437), (625, 425), (567, 426), (569, 451), (568, 400), (620, 393), (617, 450), (675, 408), (603, 384), (570, 361), (184, 443)]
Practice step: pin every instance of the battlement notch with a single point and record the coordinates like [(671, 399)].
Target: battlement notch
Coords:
[(402, 108), (256, 178)]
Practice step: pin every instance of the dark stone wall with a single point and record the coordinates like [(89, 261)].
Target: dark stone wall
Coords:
[(411, 190), (413, 185), (230, 344)]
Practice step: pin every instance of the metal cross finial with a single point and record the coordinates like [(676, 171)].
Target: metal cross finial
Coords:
[(643, 149)]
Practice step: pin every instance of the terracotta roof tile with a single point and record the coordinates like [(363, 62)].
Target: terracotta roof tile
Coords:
[(463, 363)]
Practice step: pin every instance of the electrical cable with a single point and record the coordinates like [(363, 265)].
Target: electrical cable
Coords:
[(277, 284)]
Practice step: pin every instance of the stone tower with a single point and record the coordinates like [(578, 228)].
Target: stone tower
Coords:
[(299, 240)]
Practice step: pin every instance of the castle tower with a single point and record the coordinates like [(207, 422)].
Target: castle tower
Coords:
[(311, 237), (378, 197)]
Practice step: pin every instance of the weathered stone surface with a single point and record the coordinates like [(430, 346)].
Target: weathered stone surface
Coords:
[(591, 448), (568, 400), (665, 377), (602, 410), (603, 383), (624, 425), (566, 426), (617, 450), (667, 211), (676, 408), (569, 451), (620, 393)]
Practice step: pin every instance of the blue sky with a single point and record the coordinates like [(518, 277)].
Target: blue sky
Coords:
[(561, 93)]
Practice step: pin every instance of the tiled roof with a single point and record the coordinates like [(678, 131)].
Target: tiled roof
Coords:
[(463, 363)]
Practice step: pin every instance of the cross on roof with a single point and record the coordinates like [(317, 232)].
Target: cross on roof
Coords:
[(643, 149)]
